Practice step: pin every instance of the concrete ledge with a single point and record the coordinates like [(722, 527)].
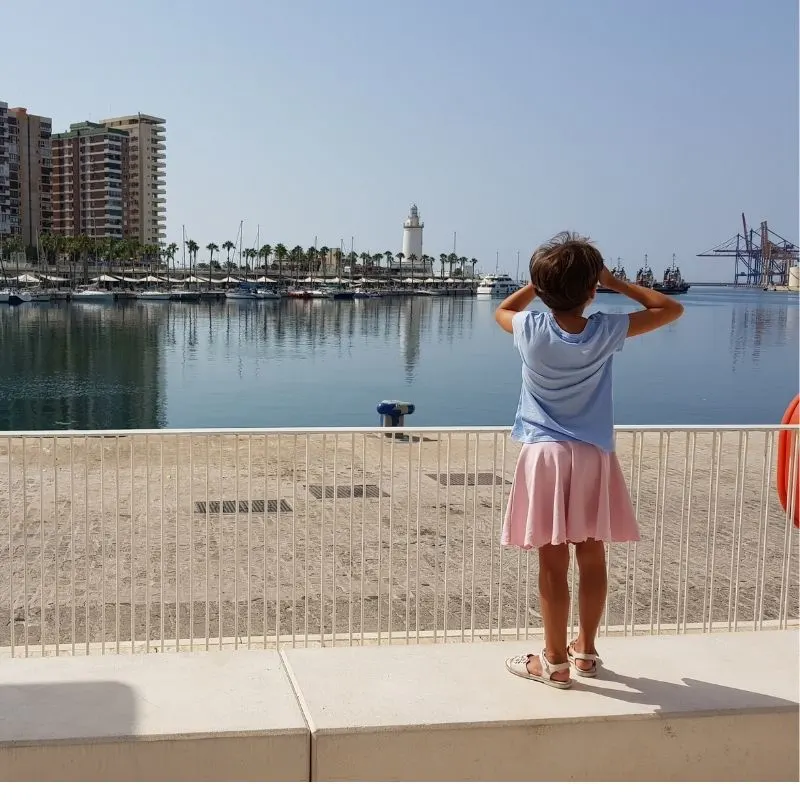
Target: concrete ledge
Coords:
[(706, 707), (199, 717)]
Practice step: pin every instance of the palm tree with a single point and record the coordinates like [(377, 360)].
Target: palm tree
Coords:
[(413, 259), (296, 255), (192, 247), (463, 261), (324, 255), (312, 257), (280, 254), (452, 258), (400, 257), (265, 252), (443, 260), (376, 259), (212, 248), (171, 250), (473, 261), (83, 246), (227, 246)]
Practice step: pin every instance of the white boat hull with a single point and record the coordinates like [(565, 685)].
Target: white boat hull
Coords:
[(93, 296), (13, 297), (152, 297)]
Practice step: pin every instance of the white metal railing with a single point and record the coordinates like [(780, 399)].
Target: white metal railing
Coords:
[(151, 540)]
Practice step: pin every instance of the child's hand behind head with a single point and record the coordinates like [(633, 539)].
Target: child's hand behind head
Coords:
[(606, 278)]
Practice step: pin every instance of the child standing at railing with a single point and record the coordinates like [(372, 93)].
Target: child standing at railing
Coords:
[(568, 486)]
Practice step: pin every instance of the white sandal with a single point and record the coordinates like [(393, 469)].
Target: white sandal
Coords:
[(518, 665), (574, 656)]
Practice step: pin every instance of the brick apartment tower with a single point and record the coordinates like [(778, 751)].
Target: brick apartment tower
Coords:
[(90, 181), (25, 167), (33, 139), (146, 204)]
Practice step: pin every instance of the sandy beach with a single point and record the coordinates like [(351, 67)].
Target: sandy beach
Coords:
[(242, 538)]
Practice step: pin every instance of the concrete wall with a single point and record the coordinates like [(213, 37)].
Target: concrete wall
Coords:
[(695, 707)]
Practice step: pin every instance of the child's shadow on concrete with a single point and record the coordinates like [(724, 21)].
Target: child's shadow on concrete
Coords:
[(691, 695)]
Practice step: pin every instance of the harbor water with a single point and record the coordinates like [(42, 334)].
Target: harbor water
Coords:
[(731, 359)]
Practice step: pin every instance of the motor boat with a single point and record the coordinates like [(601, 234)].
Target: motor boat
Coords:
[(14, 297), (93, 295), (241, 293), (264, 293), (155, 294), (184, 296), (497, 286)]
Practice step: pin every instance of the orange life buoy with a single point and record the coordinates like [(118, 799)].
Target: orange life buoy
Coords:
[(786, 440)]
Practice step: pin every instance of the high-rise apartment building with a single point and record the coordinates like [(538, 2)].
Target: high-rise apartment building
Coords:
[(90, 180), (146, 202), (24, 174), (30, 135), (9, 214)]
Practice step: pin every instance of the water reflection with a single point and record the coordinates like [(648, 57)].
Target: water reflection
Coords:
[(755, 326), (81, 366), (731, 359)]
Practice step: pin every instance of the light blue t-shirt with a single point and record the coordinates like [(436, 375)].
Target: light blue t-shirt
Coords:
[(566, 379)]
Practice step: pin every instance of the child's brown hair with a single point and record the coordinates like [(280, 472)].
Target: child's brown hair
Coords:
[(565, 271)]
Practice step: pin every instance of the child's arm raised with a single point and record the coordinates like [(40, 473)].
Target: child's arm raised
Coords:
[(513, 304), (659, 310)]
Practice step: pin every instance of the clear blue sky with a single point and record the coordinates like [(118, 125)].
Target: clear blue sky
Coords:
[(649, 125)]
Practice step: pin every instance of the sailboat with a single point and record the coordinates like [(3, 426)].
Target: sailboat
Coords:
[(12, 297)]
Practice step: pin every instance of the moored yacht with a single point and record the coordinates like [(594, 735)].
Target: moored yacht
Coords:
[(497, 286)]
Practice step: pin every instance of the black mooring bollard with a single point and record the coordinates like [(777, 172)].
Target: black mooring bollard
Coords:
[(393, 414)]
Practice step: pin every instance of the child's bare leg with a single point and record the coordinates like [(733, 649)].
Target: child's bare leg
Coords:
[(592, 586), (554, 592)]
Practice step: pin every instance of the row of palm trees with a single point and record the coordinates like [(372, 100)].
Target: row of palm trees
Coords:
[(312, 260), (130, 253)]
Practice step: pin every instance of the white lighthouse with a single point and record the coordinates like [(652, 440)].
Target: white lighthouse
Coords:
[(412, 236)]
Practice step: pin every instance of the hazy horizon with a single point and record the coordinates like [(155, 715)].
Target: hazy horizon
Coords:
[(650, 127)]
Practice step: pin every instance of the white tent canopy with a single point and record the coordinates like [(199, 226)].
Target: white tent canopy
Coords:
[(131, 280), (53, 278), (264, 279), (27, 278), (230, 279), (105, 279), (195, 279), (150, 279)]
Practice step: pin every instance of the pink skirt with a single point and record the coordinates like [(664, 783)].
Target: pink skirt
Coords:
[(568, 492)]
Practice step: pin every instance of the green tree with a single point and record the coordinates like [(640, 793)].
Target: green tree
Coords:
[(192, 247), (312, 257), (212, 248), (400, 257), (451, 260), (264, 252), (324, 253), (280, 255), (376, 259), (170, 251), (473, 261), (296, 256), (413, 259), (443, 261)]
